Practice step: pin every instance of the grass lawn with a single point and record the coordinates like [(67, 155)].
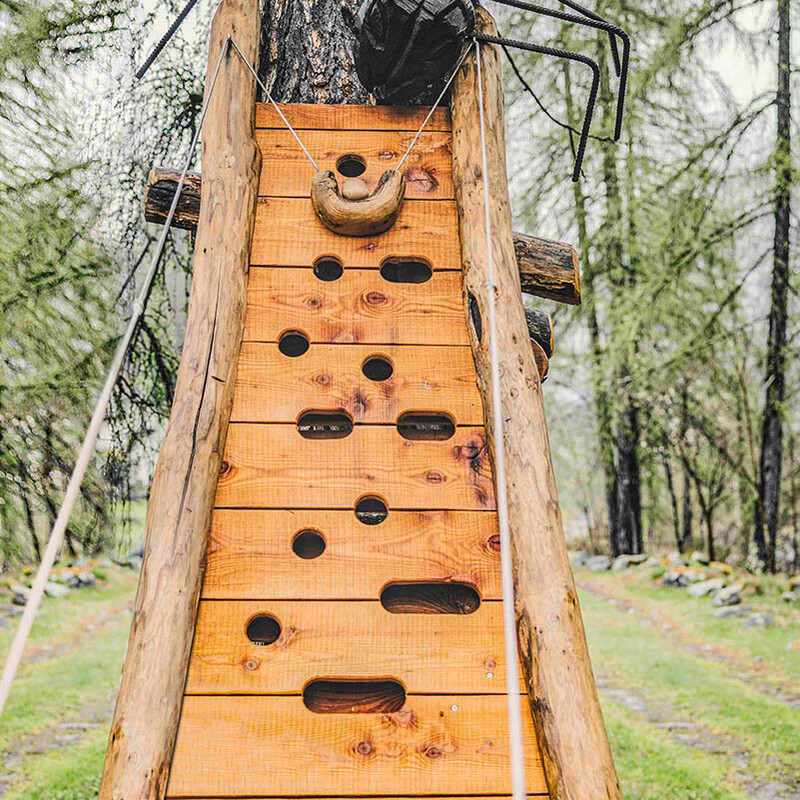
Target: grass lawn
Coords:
[(697, 708)]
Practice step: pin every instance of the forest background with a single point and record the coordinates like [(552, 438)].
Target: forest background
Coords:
[(672, 398)]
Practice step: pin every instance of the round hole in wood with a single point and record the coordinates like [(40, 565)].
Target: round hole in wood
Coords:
[(406, 270), (430, 425), (263, 629), (328, 268), (351, 165), (293, 343), (308, 544), (371, 510), (324, 424), (354, 696), (430, 597), (377, 368)]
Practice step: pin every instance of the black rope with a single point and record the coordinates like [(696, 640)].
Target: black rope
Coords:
[(164, 39)]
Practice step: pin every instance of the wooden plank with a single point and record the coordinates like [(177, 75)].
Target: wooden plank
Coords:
[(448, 797), (179, 514), (436, 745), (288, 234), (272, 387), (287, 172), (358, 307), (428, 653), (351, 117), (358, 560), (552, 642), (273, 466)]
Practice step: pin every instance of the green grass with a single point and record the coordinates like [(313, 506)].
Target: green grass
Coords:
[(75, 668)]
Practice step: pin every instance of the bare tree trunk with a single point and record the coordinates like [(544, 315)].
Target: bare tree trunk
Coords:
[(601, 400), (673, 499), (793, 502), (306, 52), (766, 531)]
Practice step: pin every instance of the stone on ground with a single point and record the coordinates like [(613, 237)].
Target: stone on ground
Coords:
[(761, 619), (578, 558), (705, 588), (598, 563), (52, 589), (700, 558), (729, 596)]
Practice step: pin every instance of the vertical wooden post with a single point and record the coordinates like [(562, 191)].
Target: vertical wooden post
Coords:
[(179, 514), (563, 697)]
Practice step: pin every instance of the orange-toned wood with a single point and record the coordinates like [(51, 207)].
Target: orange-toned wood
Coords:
[(351, 117), (274, 746), (250, 553), (358, 307), (449, 797), (287, 234), (287, 172), (272, 387), (273, 466), (428, 653)]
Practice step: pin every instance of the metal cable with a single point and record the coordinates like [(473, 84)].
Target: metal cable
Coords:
[(506, 567), (90, 439), (162, 42), (274, 104)]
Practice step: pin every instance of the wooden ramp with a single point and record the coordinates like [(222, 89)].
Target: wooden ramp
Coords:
[(341, 651)]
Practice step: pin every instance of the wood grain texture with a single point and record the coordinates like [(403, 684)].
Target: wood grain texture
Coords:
[(428, 653), (548, 269), (287, 234), (160, 191), (245, 746), (273, 466), (272, 387), (250, 553), (564, 705), (179, 513), (333, 117), (367, 217), (287, 172), (358, 307)]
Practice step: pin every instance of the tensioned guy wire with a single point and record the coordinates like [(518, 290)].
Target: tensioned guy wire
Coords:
[(274, 104), (93, 431), (506, 567), (433, 107)]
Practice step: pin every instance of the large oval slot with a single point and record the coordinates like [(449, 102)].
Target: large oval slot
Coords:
[(349, 696), (325, 424), (430, 597), (425, 425), (406, 270)]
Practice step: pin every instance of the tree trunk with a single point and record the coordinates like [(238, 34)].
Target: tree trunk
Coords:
[(601, 401), (306, 51), (766, 532)]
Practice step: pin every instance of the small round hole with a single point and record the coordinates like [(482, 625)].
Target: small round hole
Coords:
[(405, 270), (371, 510), (377, 368), (293, 343), (308, 544), (263, 629), (351, 165), (328, 268)]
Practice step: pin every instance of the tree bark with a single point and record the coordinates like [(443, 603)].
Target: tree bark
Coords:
[(768, 510), (307, 51)]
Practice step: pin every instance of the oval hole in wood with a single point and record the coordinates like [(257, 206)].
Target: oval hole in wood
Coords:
[(263, 629), (371, 510), (328, 268), (308, 544), (406, 270), (431, 425), (349, 696), (325, 424), (377, 368), (351, 165), (430, 597), (293, 343)]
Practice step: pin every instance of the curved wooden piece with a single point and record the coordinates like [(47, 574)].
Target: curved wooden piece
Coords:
[(368, 217), (552, 642), (149, 704)]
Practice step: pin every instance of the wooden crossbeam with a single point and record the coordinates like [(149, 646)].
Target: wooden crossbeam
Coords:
[(546, 269)]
